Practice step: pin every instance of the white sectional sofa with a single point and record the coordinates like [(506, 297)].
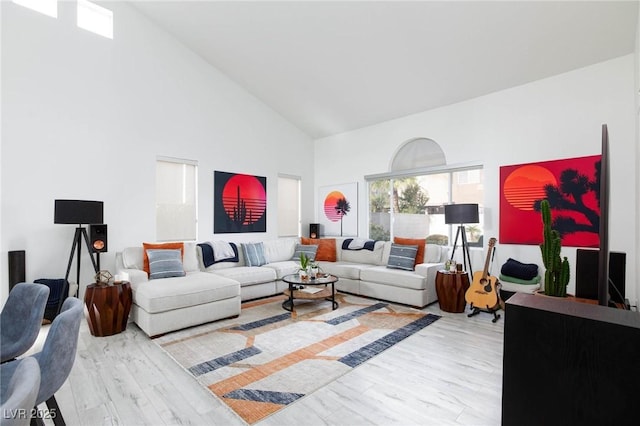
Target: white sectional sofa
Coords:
[(259, 281), (365, 273), (211, 293), (168, 304)]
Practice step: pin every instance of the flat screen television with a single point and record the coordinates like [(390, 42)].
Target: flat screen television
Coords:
[(603, 255)]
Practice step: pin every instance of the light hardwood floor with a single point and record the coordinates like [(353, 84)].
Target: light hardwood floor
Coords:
[(449, 373)]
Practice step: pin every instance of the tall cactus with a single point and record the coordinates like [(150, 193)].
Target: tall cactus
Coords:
[(240, 209), (556, 275)]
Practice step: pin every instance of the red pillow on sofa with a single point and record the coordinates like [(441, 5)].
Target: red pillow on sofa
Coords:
[(326, 248), (420, 242)]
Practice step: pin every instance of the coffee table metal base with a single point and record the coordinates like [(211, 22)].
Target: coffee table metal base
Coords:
[(292, 293)]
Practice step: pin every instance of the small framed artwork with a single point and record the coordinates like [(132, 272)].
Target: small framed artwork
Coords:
[(338, 209), (239, 203)]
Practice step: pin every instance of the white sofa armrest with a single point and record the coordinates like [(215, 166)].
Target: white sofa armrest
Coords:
[(136, 276), (429, 269)]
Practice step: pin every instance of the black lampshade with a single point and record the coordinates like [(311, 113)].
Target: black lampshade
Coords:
[(461, 213), (78, 212)]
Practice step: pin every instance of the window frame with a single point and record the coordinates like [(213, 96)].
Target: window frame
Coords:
[(449, 169)]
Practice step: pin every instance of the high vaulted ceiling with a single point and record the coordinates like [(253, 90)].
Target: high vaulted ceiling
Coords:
[(330, 67)]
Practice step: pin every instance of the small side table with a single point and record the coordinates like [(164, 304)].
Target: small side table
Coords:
[(451, 288), (108, 307)]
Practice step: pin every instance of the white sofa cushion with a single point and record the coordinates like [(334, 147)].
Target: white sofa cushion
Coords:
[(394, 277), (344, 269), (364, 256), (279, 249), (283, 268), (248, 275), (195, 288)]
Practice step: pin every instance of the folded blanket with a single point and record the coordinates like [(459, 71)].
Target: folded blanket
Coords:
[(523, 271), (209, 257), (515, 280), (358, 244), (222, 250), (207, 254)]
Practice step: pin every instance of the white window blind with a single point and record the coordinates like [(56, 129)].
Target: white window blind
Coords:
[(176, 199), (288, 206)]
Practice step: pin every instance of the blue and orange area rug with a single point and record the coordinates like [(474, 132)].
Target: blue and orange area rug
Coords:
[(268, 358)]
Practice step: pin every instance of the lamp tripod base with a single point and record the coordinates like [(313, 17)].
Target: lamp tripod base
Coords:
[(80, 234), (466, 257)]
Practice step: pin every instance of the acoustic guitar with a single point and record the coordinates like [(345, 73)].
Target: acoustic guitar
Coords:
[(483, 293)]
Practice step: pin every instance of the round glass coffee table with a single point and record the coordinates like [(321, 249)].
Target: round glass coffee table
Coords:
[(309, 289)]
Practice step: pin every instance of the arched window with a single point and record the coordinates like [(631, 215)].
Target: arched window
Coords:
[(408, 201), (417, 153)]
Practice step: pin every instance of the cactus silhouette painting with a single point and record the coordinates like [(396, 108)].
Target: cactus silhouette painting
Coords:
[(240, 203)]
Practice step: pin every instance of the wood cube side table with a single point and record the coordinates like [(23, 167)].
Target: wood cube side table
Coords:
[(451, 288), (108, 308)]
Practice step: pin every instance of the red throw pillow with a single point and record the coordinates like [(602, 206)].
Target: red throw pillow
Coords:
[(159, 246), (326, 248), (420, 242)]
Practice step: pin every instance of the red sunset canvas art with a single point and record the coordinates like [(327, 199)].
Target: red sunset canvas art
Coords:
[(240, 202), (572, 188)]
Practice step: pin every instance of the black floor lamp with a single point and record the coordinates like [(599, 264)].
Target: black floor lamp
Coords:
[(79, 212), (461, 214)]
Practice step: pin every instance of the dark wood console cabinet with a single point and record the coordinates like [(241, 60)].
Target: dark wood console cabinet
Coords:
[(569, 363)]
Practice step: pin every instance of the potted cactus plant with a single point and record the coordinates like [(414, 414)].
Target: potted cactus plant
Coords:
[(556, 275)]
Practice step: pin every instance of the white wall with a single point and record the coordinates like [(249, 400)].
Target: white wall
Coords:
[(637, 170), (84, 117), (555, 118)]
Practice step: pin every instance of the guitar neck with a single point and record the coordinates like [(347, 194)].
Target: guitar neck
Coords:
[(485, 272)]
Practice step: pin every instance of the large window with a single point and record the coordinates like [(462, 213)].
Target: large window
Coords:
[(176, 199), (288, 206), (412, 205)]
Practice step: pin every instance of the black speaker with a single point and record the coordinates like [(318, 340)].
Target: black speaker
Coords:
[(587, 274), (314, 230), (16, 268), (98, 238)]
